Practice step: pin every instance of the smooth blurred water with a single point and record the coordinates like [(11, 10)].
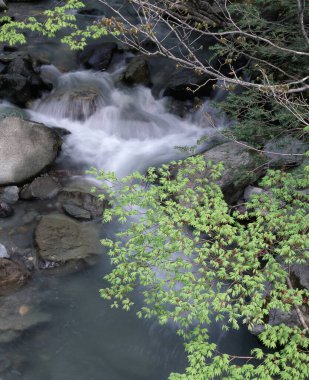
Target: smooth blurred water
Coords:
[(130, 130)]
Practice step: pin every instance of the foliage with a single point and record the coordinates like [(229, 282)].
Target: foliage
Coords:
[(198, 261), (49, 24), (257, 124)]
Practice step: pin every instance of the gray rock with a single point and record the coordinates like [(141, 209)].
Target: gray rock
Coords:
[(78, 194), (241, 167), (12, 275), (290, 318), (98, 56), (250, 191), (77, 212), (20, 81), (26, 149), (5, 210), (44, 187), (3, 6), (49, 75), (285, 145), (9, 194), (137, 72), (3, 252), (300, 273), (61, 131), (240, 164), (15, 88), (61, 239), (186, 84)]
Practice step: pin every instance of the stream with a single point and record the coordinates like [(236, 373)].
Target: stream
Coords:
[(122, 129), (85, 339)]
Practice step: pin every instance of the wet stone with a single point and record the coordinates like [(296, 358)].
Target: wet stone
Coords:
[(12, 275), (5, 210), (60, 239), (250, 191), (9, 194), (44, 187), (77, 212)]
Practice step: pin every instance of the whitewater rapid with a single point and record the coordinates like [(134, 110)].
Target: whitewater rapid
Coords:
[(129, 130)]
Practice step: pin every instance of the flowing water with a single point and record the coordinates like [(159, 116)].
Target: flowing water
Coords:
[(118, 129), (129, 130)]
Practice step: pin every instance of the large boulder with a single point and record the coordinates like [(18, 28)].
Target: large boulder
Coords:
[(26, 149), (242, 166), (98, 56), (185, 84), (60, 239), (137, 72), (3, 6), (20, 81)]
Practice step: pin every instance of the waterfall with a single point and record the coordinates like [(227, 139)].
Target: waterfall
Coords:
[(117, 128)]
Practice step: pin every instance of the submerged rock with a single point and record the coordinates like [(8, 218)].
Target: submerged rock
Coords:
[(12, 275), (44, 187), (26, 149), (77, 212), (20, 312), (61, 239)]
